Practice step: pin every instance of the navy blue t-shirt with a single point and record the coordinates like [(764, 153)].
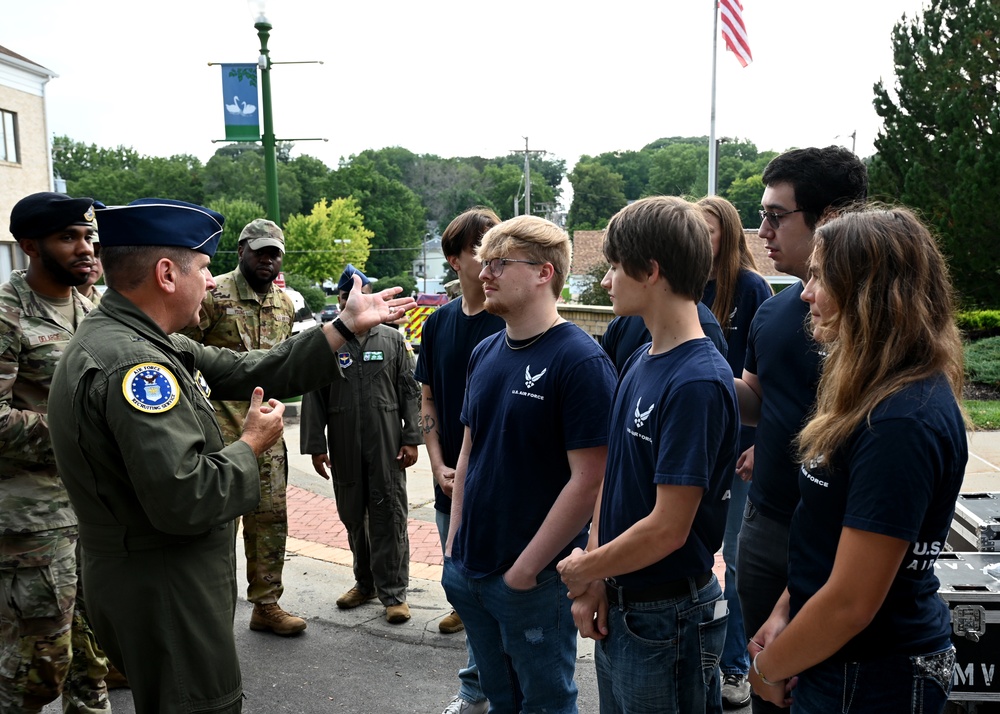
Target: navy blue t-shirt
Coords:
[(675, 422), (525, 409), (751, 291), (627, 333), (786, 360), (449, 336), (898, 477)]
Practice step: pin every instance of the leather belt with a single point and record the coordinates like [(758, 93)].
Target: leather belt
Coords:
[(623, 597)]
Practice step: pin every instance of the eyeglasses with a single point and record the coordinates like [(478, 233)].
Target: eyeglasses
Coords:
[(496, 265), (774, 219)]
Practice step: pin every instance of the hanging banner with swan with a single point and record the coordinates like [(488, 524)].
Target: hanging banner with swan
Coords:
[(239, 92)]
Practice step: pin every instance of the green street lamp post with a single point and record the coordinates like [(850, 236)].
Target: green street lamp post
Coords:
[(263, 27)]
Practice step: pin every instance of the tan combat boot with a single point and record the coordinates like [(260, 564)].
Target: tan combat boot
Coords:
[(354, 597), (269, 617), (451, 623), (397, 614)]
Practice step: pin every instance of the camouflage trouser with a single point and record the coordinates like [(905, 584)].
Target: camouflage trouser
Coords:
[(48, 648), (266, 530)]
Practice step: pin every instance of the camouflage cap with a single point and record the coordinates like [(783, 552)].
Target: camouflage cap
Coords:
[(262, 233), (42, 214)]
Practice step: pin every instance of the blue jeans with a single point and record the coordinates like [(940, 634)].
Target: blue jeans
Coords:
[(662, 657), (524, 640), (902, 684), (735, 658), (761, 576), (469, 688)]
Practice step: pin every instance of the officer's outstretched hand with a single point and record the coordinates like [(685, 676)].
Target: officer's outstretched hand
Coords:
[(363, 312), (263, 424)]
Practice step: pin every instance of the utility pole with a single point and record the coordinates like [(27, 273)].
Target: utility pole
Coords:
[(527, 176)]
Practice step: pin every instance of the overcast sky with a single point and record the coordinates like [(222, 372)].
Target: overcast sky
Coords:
[(461, 78)]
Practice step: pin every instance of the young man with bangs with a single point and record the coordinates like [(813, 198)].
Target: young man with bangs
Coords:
[(535, 416), (644, 588)]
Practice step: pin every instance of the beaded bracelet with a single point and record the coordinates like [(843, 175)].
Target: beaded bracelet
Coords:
[(764, 679)]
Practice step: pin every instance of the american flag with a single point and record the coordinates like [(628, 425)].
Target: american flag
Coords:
[(734, 32)]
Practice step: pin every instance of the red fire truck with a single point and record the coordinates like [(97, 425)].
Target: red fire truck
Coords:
[(426, 304)]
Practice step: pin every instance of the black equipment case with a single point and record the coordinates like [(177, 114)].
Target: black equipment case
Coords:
[(970, 585), (976, 526)]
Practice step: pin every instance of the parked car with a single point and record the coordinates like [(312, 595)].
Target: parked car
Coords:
[(303, 315), (329, 312)]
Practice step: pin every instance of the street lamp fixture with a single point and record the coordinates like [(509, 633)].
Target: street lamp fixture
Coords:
[(263, 27)]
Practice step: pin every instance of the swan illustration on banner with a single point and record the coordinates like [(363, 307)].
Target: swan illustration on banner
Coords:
[(248, 109), (234, 108)]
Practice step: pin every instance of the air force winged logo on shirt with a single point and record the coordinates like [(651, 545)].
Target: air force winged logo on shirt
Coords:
[(151, 388), (530, 381), (641, 417)]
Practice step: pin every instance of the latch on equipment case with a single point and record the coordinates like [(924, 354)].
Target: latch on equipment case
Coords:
[(969, 621)]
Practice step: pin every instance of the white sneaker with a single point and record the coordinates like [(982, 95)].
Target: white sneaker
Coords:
[(460, 706), (735, 691)]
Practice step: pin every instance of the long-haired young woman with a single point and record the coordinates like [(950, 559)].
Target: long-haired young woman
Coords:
[(733, 293), (883, 457)]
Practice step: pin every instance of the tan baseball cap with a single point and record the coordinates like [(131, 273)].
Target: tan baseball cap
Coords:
[(262, 233)]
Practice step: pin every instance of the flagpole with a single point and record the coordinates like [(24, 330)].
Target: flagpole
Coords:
[(712, 147)]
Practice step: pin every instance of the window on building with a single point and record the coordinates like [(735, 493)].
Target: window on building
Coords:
[(8, 137)]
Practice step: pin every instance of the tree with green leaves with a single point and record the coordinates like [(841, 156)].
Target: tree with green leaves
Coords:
[(939, 148), (73, 160), (237, 171), (119, 176), (594, 293), (679, 169), (633, 166), (238, 213), (745, 194), (320, 244), (391, 211), (598, 194), (502, 183)]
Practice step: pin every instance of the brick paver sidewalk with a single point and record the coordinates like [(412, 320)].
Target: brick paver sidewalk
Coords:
[(313, 520)]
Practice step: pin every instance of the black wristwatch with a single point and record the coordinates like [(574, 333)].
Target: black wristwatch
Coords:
[(343, 329)]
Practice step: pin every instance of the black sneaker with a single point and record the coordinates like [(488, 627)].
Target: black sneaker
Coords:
[(735, 691)]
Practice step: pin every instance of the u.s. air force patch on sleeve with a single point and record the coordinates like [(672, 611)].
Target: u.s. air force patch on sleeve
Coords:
[(151, 388)]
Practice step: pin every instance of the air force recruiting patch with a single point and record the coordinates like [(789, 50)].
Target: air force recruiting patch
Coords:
[(151, 388)]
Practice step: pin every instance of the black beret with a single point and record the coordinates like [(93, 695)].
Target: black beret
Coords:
[(42, 214), (161, 222)]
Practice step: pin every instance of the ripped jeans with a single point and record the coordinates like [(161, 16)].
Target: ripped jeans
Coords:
[(902, 684), (524, 641)]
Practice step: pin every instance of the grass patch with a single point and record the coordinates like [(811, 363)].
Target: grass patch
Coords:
[(984, 414), (982, 361)]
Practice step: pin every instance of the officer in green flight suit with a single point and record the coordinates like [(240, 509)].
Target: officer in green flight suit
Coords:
[(154, 486)]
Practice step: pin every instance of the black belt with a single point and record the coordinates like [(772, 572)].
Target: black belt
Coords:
[(623, 597)]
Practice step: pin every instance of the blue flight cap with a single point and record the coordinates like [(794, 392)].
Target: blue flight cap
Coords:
[(161, 222), (346, 283)]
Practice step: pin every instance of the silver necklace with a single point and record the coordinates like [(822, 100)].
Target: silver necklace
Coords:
[(532, 340)]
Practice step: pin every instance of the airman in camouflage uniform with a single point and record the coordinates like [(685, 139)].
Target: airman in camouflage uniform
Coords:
[(244, 312), (48, 648), (89, 289)]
